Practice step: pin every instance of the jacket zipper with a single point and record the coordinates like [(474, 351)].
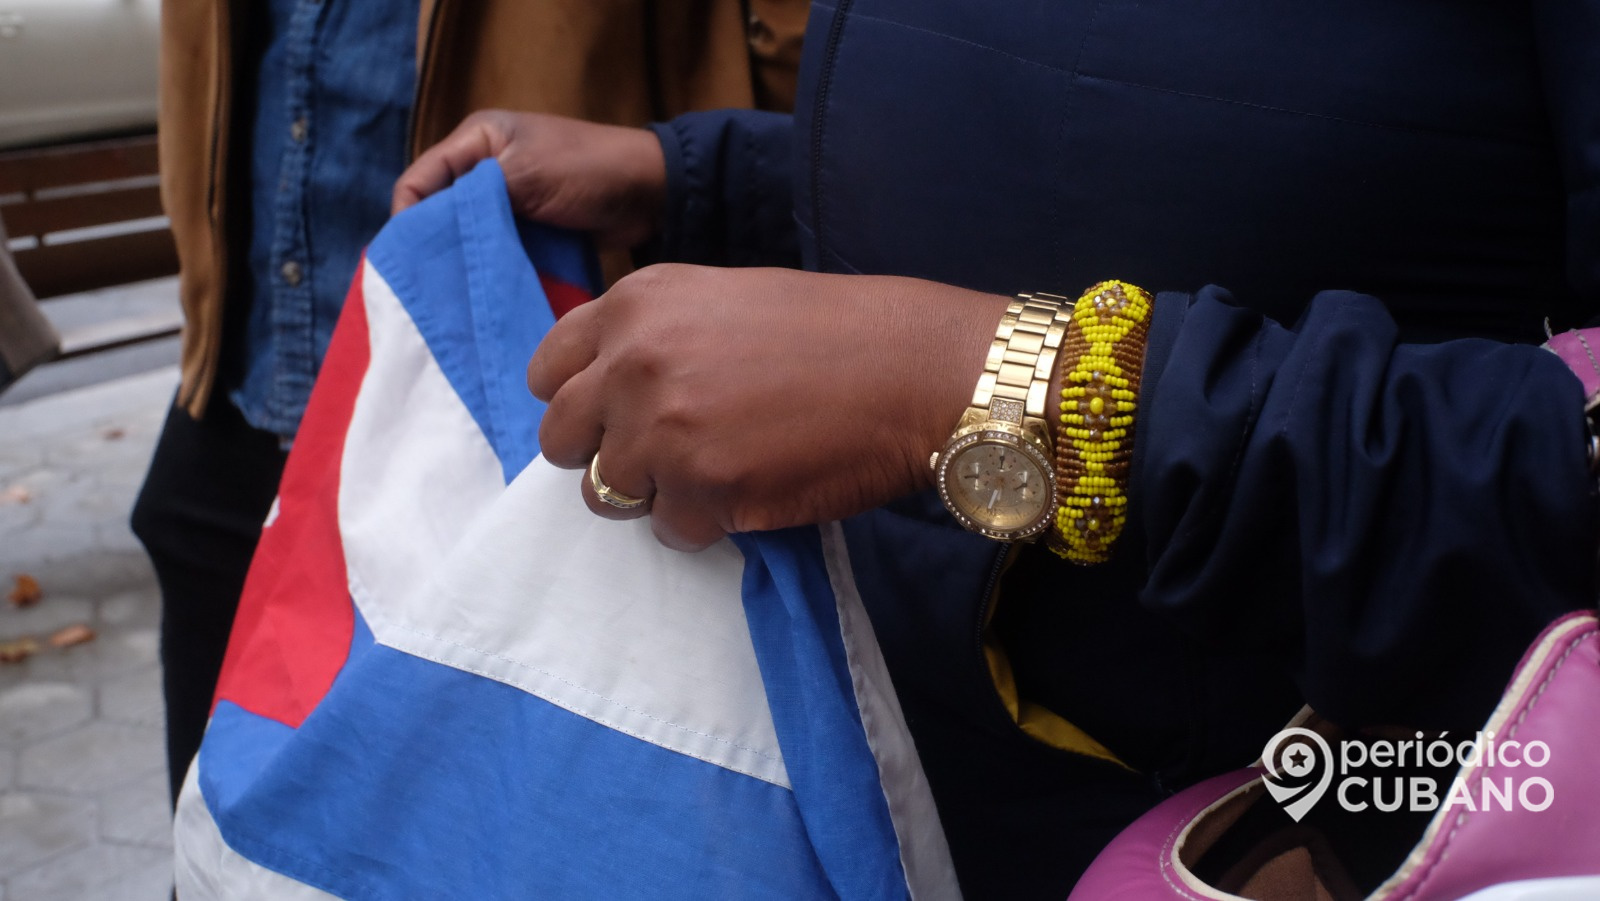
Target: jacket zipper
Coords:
[(818, 121), (991, 586)]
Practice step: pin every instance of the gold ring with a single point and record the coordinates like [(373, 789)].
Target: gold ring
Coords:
[(608, 494)]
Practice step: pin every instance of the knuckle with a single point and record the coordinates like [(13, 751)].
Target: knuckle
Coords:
[(545, 375), (683, 532), (644, 366), (663, 528), (679, 412), (623, 468), (654, 279), (489, 117), (537, 379), (557, 445), (712, 478), (705, 475), (479, 122), (561, 457), (619, 305)]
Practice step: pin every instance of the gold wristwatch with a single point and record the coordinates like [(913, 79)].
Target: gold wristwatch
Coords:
[(996, 473)]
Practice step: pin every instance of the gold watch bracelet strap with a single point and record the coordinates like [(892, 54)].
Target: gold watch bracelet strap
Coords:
[(1022, 357)]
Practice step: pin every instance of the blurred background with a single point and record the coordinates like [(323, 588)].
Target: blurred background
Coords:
[(79, 193), (76, 68), (83, 808)]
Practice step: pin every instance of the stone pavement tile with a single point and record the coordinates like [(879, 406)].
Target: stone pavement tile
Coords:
[(37, 827), (139, 813), (102, 871), (83, 806), (84, 503), (133, 698), (112, 654), (125, 621), (31, 487), (138, 398), (17, 508), (94, 575), (33, 711), (117, 450), (140, 606), (91, 759), (28, 549), (43, 618), (16, 456), (115, 537)]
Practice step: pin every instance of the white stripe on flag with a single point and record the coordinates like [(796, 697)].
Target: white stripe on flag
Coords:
[(408, 428), (597, 617), (924, 854)]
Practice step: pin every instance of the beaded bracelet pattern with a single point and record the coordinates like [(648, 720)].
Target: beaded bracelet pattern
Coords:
[(1101, 360)]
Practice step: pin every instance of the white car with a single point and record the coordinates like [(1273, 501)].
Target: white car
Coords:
[(76, 68)]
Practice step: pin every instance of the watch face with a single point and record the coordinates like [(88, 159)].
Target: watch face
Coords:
[(1005, 490)]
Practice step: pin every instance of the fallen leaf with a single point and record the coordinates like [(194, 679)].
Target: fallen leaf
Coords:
[(114, 434), (26, 591), (16, 494), (17, 650), (67, 636)]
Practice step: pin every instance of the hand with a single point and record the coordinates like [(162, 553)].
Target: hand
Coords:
[(741, 400), (603, 179)]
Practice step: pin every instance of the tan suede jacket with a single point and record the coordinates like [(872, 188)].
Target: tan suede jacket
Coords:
[(618, 61)]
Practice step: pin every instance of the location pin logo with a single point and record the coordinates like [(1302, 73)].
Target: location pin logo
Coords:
[(1299, 769)]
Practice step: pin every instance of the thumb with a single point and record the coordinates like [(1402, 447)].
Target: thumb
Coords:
[(478, 137)]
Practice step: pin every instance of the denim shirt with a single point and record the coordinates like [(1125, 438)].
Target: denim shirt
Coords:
[(332, 101)]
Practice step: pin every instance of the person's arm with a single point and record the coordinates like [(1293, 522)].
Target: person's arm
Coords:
[(1398, 520), (1405, 518), (728, 199), (1568, 34), (710, 188)]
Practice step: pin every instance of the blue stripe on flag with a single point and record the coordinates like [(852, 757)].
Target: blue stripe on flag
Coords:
[(466, 239), (564, 258), (416, 780), (794, 624)]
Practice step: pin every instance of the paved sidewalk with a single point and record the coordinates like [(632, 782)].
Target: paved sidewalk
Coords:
[(83, 802)]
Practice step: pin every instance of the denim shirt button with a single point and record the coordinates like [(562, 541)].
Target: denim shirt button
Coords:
[(291, 273), (297, 129)]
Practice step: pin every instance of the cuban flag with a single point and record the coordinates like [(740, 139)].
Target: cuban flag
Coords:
[(448, 679)]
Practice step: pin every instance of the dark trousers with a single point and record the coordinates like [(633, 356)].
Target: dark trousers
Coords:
[(199, 515)]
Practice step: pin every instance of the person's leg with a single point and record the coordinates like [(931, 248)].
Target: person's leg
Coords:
[(199, 516)]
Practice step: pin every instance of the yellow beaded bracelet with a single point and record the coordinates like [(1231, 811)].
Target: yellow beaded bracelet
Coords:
[(1101, 361)]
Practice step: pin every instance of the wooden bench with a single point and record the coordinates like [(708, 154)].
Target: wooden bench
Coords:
[(93, 214)]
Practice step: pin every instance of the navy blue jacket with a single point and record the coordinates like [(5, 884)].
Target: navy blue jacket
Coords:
[(1358, 482)]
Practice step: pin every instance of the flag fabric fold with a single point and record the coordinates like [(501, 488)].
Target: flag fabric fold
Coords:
[(449, 680)]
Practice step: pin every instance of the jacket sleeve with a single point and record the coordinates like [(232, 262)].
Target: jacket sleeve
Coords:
[(1568, 33), (1403, 519), (729, 199), (1400, 520)]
